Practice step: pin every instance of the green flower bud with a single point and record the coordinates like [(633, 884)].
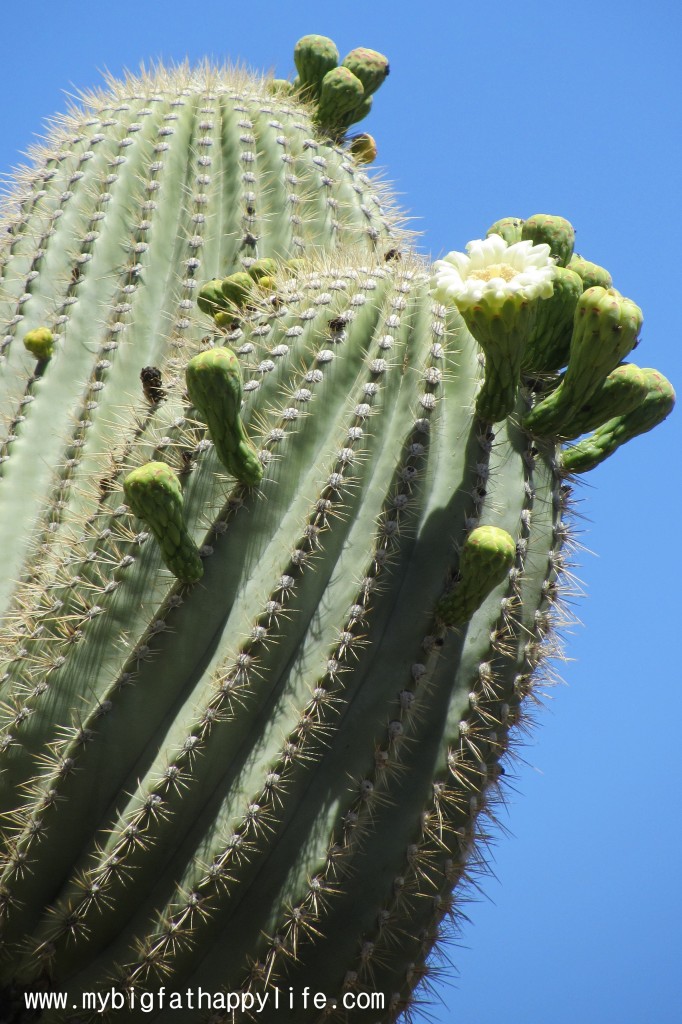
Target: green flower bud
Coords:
[(211, 299), (279, 87), (214, 386), (624, 389), (605, 329), (237, 289), (557, 232), (487, 556), (648, 413), (226, 320), (341, 92), (314, 56), (591, 273), (154, 494), (549, 341), (39, 342), (369, 66), (357, 114), (508, 228), (265, 267)]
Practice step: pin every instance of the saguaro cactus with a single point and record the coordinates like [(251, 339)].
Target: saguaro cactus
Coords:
[(270, 622)]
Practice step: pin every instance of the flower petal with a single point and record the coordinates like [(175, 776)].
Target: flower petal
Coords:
[(460, 278)]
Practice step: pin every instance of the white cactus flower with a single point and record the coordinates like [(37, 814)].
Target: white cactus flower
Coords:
[(491, 271)]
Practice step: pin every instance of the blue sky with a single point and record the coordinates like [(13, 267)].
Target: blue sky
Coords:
[(494, 110)]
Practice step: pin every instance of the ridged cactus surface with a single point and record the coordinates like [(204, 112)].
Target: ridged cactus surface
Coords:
[(271, 619), (135, 202), (274, 732)]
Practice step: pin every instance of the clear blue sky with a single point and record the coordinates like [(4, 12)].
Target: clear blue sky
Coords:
[(490, 110)]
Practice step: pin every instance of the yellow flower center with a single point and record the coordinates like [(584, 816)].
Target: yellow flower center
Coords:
[(502, 270)]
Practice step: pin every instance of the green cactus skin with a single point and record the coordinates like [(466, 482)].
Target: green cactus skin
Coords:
[(271, 777), (358, 392), (605, 329), (214, 386), (148, 192), (488, 555), (369, 66), (557, 232), (39, 342), (153, 493), (509, 228), (314, 56), (549, 341), (651, 409), (591, 273)]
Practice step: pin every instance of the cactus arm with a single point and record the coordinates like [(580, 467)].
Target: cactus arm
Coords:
[(437, 487), (369, 480), (349, 580)]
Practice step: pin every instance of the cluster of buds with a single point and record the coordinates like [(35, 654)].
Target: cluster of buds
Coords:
[(539, 310), (227, 299), (340, 92)]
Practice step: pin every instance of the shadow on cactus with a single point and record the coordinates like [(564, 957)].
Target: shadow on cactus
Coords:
[(271, 622)]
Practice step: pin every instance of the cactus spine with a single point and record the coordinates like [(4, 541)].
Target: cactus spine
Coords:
[(280, 606)]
